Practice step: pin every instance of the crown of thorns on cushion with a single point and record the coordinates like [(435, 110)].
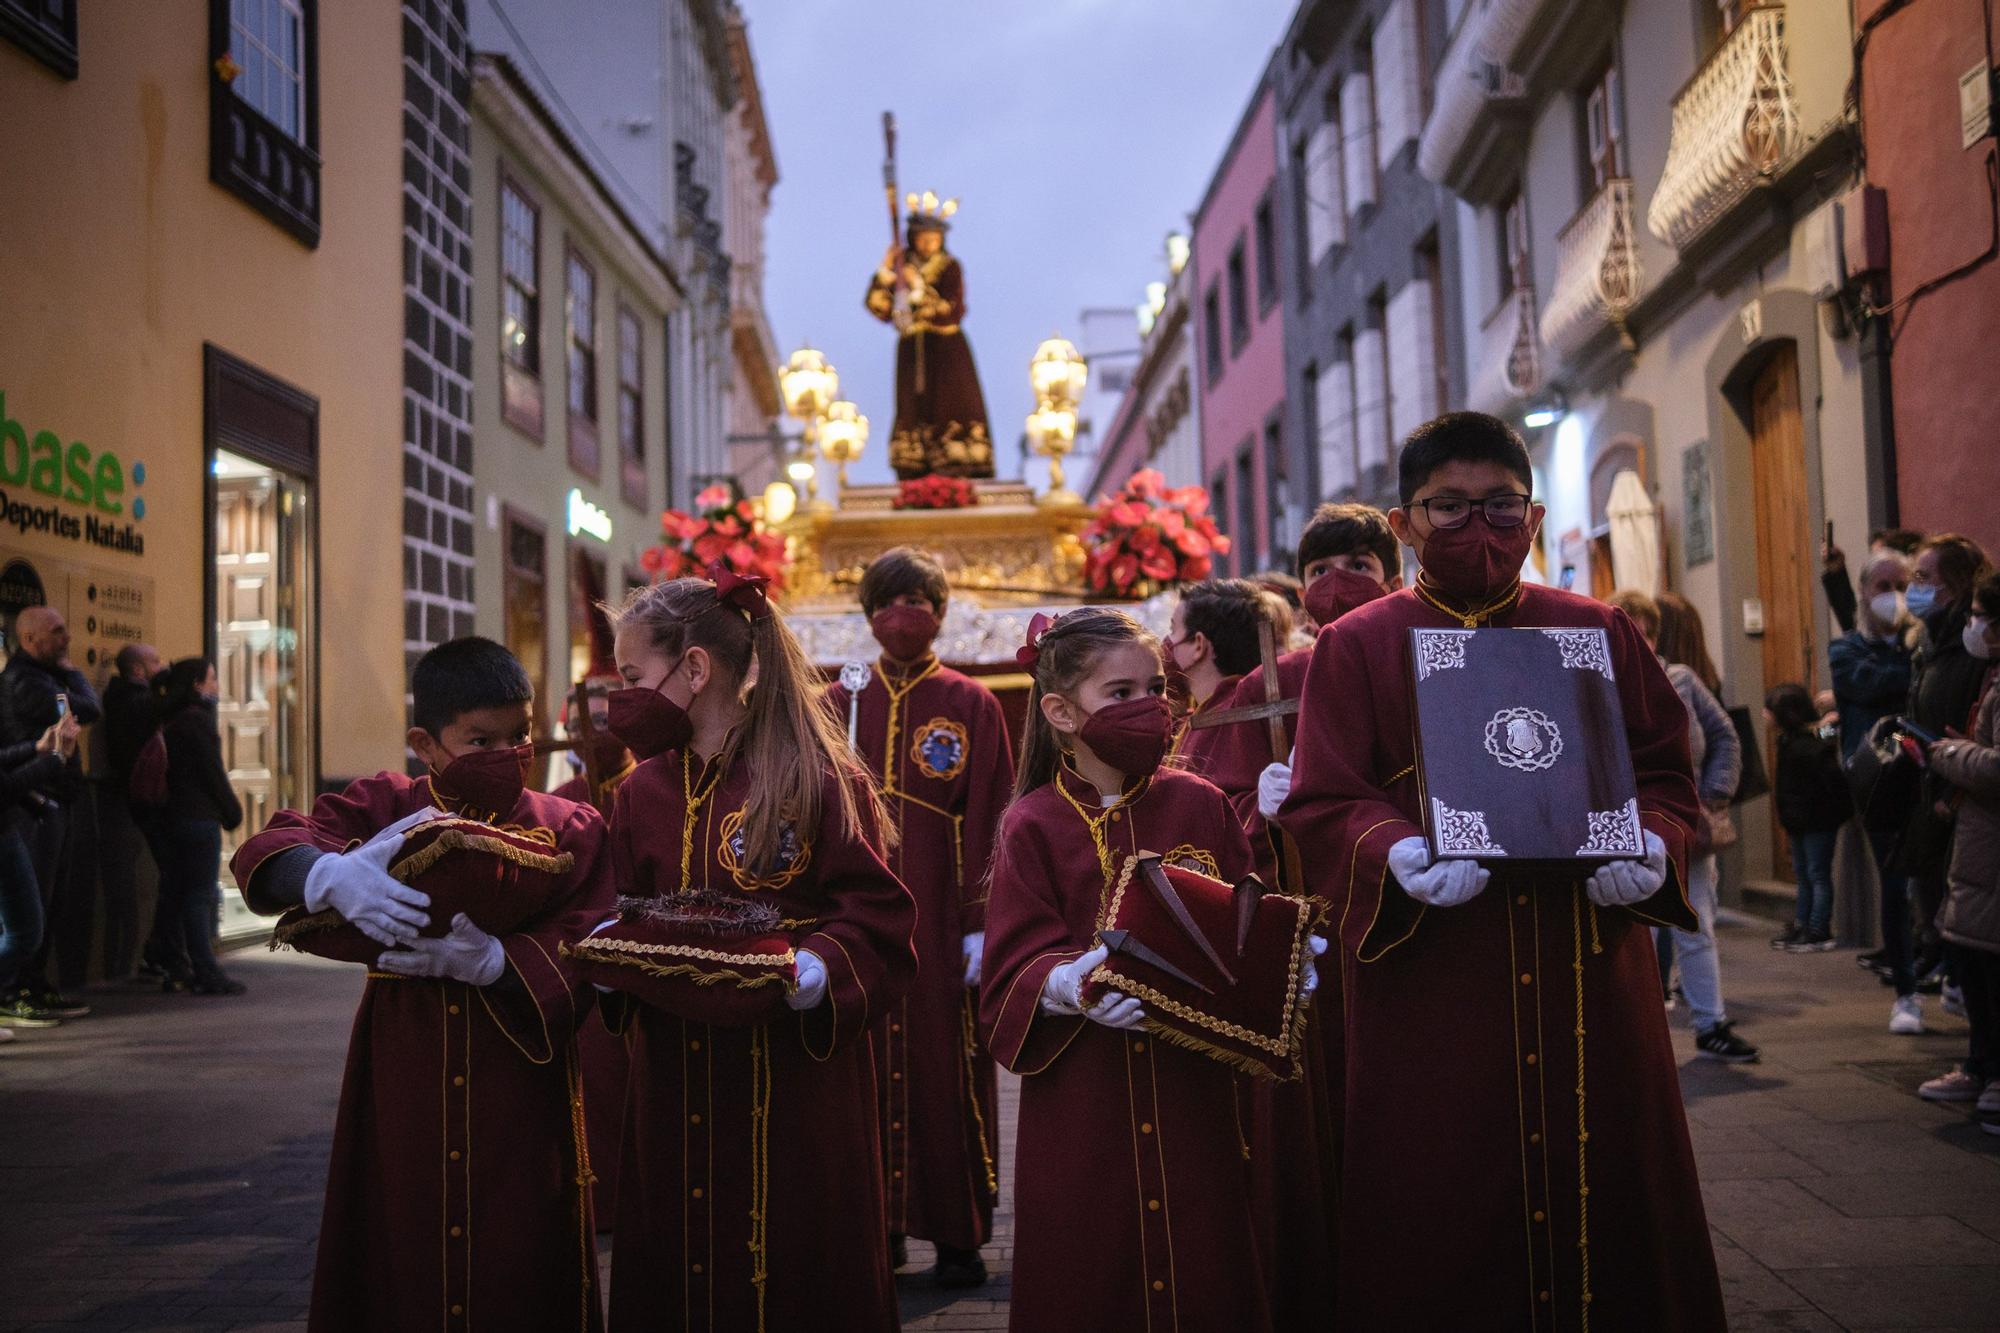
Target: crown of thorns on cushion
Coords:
[(706, 956), (502, 877)]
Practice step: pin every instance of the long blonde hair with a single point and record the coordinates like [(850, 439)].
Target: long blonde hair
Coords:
[(1068, 649), (790, 742)]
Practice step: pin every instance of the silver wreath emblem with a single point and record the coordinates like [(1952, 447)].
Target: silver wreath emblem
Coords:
[(1462, 832), (1524, 739)]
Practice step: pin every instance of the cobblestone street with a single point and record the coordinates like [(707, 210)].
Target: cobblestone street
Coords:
[(165, 1157)]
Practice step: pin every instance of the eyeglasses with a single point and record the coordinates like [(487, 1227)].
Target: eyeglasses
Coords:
[(1451, 511)]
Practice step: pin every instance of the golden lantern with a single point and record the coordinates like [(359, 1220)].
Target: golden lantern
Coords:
[(1058, 373), (843, 434), (1052, 434), (808, 383)]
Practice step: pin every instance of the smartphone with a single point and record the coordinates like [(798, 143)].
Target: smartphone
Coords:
[(62, 707)]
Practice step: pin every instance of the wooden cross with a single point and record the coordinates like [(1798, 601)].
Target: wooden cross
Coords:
[(1272, 712)]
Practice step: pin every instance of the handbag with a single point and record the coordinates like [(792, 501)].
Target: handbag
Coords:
[(1752, 781), (1885, 775)]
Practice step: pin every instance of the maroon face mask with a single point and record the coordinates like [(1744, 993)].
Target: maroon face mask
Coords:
[(1476, 560), (1130, 735), (905, 632), (1338, 591), (648, 721), (1177, 681), (490, 780)]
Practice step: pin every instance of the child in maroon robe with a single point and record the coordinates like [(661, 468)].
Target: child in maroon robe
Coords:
[(1211, 643), (1346, 554), (750, 1192), (1131, 1184), (1547, 1182), (455, 1194), (937, 742)]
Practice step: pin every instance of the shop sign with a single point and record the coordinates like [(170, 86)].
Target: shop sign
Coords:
[(67, 491), (587, 519)]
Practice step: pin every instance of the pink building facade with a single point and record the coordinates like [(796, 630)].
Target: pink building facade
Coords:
[(1240, 342)]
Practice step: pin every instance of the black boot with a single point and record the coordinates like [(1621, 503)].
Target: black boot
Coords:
[(958, 1268)]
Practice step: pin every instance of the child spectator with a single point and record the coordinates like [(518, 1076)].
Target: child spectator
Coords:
[(1811, 794)]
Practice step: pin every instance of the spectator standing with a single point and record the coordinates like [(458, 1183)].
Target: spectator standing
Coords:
[(26, 769), (1871, 681), (37, 686), (1840, 599), (200, 805), (1945, 685), (131, 717), (1970, 921), (1810, 789), (1717, 756)]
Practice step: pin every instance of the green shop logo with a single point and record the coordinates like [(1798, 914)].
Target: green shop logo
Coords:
[(74, 474)]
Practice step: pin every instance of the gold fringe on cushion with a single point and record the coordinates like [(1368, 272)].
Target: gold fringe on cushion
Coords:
[(622, 953), (478, 838), (285, 932)]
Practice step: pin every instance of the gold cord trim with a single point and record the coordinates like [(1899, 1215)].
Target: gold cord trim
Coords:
[(585, 1178), (1398, 776), (760, 1160), (623, 953), (455, 839), (692, 801), (896, 696), (1095, 823), (1471, 616), (970, 1043), (1582, 1129)]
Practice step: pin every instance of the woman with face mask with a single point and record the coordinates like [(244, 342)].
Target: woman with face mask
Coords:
[(1097, 1087), (200, 805), (1945, 683)]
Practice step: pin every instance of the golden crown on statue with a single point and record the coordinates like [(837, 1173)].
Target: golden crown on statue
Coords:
[(926, 208)]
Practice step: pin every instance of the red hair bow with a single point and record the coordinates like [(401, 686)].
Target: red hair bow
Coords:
[(745, 592), (1031, 652)]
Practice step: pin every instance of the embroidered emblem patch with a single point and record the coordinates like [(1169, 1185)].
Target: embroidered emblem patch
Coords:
[(1524, 739), (940, 748), (792, 856)]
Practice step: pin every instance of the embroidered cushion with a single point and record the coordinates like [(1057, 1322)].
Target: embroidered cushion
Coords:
[(707, 957), (502, 877), (1217, 966)]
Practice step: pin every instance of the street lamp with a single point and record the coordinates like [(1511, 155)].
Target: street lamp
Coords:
[(1058, 374), (809, 384), (843, 434)]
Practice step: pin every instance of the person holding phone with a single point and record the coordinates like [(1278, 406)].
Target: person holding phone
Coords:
[(38, 687), (25, 769)]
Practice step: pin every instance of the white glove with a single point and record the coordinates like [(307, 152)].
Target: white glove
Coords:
[(357, 884), (1445, 884), (467, 954), (1621, 883), (974, 945), (1274, 784), (1062, 993), (809, 987), (1309, 976)]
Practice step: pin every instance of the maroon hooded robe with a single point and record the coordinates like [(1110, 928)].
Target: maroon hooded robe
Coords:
[(1514, 1154), (1131, 1184), (938, 742), (750, 1189), (455, 1194)]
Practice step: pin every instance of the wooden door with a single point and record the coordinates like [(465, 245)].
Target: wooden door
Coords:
[(1784, 543)]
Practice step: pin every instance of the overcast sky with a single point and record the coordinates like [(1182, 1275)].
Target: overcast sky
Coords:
[(1076, 133)]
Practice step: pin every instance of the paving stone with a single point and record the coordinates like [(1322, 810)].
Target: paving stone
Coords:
[(1838, 1242), (1904, 1298)]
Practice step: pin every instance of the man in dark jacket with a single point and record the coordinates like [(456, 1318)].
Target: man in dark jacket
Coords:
[(36, 687), (131, 718)]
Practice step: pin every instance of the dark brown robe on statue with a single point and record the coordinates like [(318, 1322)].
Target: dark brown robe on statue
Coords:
[(1514, 1154), (751, 1194), (1132, 1205), (938, 742), (1293, 1153), (601, 1052), (940, 413), (455, 1193)]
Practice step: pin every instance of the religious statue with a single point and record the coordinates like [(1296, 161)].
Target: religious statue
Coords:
[(940, 413)]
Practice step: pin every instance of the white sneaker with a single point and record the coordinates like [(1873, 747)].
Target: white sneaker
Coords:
[(6, 1035), (1953, 1000), (1989, 1100), (1906, 1016)]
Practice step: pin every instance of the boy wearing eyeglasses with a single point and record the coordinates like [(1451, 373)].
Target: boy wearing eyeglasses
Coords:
[(1504, 1049)]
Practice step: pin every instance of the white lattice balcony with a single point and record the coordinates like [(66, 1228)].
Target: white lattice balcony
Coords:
[(1735, 124), (1507, 365), (1472, 80), (1597, 271)]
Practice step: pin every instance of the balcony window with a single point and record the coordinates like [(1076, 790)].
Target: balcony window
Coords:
[(45, 29), (264, 108), (1239, 300), (1603, 129), (582, 388), (631, 408), (520, 310), (1267, 255), (1211, 321)]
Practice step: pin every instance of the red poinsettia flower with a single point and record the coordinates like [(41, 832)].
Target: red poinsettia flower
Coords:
[(1124, 570), (1127, 514), (712, 497), (1193, 543), (1147, 482), (1160, 564), (1195, 568)]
